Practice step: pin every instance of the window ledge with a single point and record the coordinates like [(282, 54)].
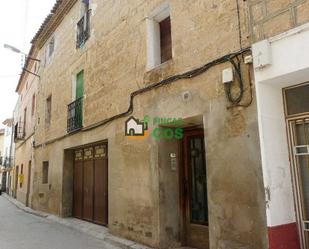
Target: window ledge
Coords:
[(161, 66), (159, 72)]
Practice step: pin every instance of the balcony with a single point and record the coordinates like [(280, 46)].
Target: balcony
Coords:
[(19, 132), (75, 115), (83, 30), (7, 162)]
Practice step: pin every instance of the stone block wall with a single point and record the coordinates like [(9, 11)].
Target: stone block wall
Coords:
[(268, 18)]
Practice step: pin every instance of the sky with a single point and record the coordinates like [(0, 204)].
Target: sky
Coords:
[(19, 21)]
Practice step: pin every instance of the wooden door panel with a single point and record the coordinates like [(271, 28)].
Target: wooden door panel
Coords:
[(88, 190), (100, 192), (197, 236), (195, 194), (78, 189)]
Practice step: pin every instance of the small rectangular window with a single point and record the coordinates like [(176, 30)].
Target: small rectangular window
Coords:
[(159, 36), (33, 105), (25, 122), (45, 172), (48, 110), (165, 40), (51, 46), (83, 25)]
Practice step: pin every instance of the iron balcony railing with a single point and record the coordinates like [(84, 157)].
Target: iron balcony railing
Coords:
[(7, 162), (75, 115), (83, 30), (19, 131)]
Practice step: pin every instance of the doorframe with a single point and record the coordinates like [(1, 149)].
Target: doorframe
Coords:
[(16, 181), (290, 121), (183, 187), (296, 182), (28, 183), (82, 147)]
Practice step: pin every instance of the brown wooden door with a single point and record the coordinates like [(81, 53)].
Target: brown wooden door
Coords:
[(88, 185), (90, 193), (195, 214), (100, 185), (78, 185)]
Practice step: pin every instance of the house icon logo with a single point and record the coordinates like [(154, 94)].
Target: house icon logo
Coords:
[(136, 128)]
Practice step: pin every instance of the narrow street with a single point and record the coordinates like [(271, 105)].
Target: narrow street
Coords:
[(20, 230)]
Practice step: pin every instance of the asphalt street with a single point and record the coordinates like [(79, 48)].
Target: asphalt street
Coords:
[(20, 230)]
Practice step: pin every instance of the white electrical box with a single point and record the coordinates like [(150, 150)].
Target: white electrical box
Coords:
[(248, 59), (261, 54), (227, 75)]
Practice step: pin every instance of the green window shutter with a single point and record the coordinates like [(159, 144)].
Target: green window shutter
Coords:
[(80, 85)]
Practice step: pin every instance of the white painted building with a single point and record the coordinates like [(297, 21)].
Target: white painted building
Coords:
[(282, 86)]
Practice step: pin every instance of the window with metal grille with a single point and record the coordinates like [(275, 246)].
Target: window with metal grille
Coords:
[(83, 25)]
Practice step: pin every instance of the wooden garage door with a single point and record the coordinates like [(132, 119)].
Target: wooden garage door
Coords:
[(90, 184)]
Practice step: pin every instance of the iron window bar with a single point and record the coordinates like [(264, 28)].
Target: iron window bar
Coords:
[(7, 162), (75, 115), (83, 30), (301, 150), (19, 132)]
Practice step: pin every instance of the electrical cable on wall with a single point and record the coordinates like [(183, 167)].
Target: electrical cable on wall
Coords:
[(187, 75), (228, 87)]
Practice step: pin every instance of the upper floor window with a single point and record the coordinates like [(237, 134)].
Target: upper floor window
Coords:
[(35, 67), (25, 121), (51, 46), (159, 37), (45, 170), (165, 39), (33, 105), (48, 110), (19, 131), (83, 25), (50, 49), (75, 109)]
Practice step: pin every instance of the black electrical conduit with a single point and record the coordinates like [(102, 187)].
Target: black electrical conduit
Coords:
[(187, 75), (228, 86)]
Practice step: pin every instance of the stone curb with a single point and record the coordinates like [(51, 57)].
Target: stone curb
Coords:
[(102, 235)]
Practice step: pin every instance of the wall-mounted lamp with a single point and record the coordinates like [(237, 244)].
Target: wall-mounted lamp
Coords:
[(16, 50)]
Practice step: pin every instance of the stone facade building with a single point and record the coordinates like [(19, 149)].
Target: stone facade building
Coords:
[(24, 127), (193, 164)]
